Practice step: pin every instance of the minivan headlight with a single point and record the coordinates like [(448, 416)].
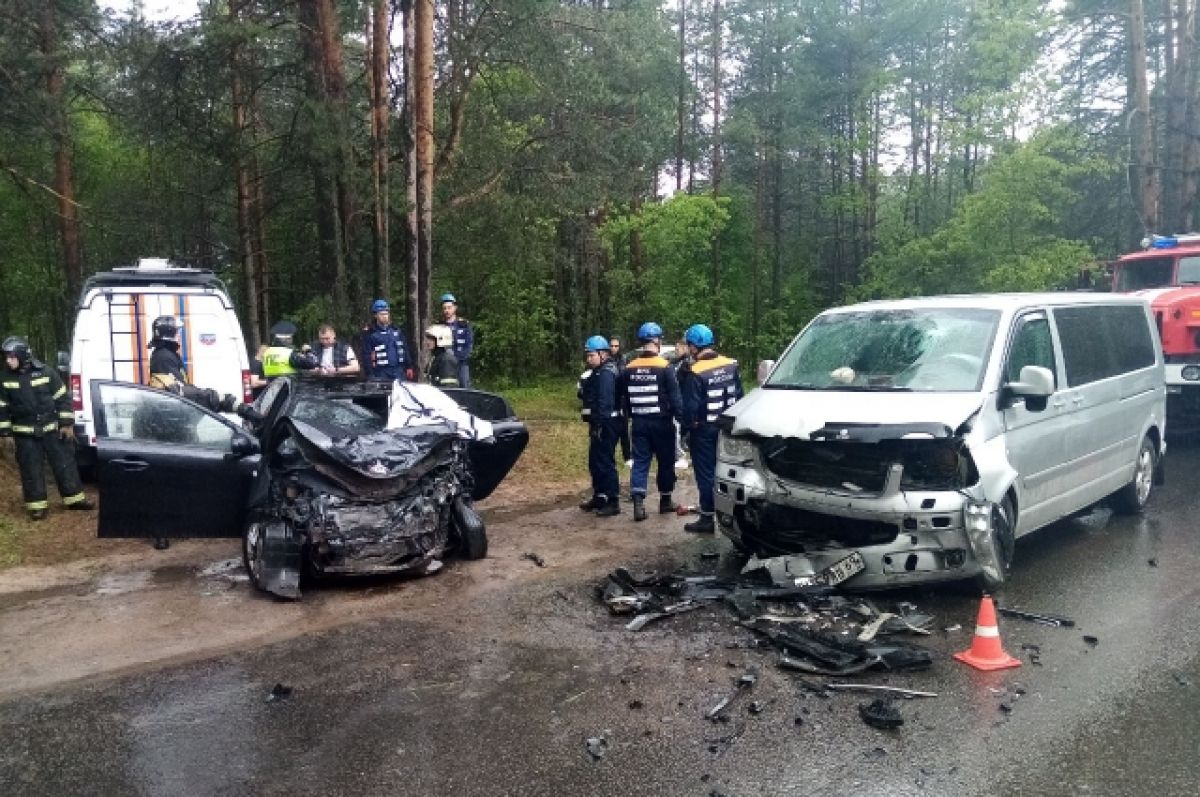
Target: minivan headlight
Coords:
[(737, 449)]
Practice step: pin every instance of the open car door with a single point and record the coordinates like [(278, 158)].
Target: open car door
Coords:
[(492, 460), (167, 467)]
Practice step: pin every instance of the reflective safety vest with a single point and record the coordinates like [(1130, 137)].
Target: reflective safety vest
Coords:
[(649, 388), (715, 387), (277, 361)]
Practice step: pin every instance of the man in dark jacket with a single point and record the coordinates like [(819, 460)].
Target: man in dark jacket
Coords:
[(167, 372), (463, 336), (598, 391), (37, 420), (650, 398), (385, 348), (333, 356)]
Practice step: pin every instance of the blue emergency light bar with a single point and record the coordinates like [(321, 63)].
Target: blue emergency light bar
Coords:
[(1170, 241)]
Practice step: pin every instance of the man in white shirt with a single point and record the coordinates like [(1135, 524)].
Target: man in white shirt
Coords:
[(333, 356)]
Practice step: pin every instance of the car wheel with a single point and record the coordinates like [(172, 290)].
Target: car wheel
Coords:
[(253, 542), (1131, 499), (1004, 543), (472, 532)]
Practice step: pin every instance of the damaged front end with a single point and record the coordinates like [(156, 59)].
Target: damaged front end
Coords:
[(871, 505), (389, 502)]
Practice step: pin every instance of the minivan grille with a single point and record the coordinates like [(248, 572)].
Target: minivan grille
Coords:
[(772, 529), (858, 467)]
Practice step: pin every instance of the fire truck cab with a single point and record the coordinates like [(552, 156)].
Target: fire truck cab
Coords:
[(1167, 273)]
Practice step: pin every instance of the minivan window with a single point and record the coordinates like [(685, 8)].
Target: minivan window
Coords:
[(1102, 341), (927, 349), (1032, 345)]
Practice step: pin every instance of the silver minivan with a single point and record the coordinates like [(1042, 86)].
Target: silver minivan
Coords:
[(913, 441)]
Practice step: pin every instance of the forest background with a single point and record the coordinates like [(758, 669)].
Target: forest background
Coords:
[(569, 168)]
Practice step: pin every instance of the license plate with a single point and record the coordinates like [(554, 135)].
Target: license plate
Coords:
[(841, 570)]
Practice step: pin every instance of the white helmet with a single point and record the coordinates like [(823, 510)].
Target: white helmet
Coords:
[(441, 334)]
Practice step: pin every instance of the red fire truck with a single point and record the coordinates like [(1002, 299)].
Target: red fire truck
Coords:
[(1167, 272)]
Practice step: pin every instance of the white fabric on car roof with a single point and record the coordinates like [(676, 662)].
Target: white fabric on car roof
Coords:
[(414, 404)]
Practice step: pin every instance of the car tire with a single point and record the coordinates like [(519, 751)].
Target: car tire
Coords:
[(253, 539), (1132, 498), (472, 532), (1005, 542)]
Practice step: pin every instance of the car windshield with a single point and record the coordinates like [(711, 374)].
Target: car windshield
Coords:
[(929, 350), (1138, 275), (338, 417)]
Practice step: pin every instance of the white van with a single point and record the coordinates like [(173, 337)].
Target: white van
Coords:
[(113, 330), (913, 441)]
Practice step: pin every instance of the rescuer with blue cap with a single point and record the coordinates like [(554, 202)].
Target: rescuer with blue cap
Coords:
[(650, 397), (712, 386), (598, 391), (462, 335), (385, 349)]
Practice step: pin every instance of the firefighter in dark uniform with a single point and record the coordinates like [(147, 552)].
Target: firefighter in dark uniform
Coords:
[(713, 385), (650, 395), (35, 413), (464, 338), (167, 372), (598, 390), (281, 357), (442, 369), (385, 351)]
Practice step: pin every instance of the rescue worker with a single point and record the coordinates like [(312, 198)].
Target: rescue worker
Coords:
[(614, 348), (442, 369), (333, 356), (464, 338), (651, 400), (281, 357), (598, 390), (167, 372), (681, 363), (713, 384), (384, 347), (36, 419)]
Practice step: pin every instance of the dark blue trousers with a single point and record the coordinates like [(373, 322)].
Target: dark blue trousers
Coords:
[(653, 438), (602, 460), (464, 373), (703, 442)]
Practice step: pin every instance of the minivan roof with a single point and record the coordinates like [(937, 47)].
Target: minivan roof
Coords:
[(994, 301), (153, 271)]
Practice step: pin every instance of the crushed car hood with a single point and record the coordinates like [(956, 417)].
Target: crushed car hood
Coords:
[(798, 413)]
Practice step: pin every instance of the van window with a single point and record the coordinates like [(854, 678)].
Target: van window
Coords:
[(1099, 342), (1032, 345)]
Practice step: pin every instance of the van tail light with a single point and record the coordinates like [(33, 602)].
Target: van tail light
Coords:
[(76, 392), (246, 395)]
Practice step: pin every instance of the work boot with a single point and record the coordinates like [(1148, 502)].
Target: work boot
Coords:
[(161, 543), (38, 514), (666, 504), (592, 504), (83, 505), (702, 525), (610, 508), (639, 507)]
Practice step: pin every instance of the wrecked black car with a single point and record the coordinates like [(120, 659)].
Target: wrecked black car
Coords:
[(339, 478)]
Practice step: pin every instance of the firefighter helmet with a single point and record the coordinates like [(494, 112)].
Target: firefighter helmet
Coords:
[(165, 327), (596, 343), (16, 346), (441, 334)]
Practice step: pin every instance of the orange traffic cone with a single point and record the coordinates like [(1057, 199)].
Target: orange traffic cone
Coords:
[(986, 652)]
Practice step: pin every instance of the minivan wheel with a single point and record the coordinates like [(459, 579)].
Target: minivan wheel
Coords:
[(1004, 541), (1132, 498)]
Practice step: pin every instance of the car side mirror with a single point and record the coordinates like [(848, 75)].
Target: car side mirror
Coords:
[(1035, 386), (242, 445), (764, 370)]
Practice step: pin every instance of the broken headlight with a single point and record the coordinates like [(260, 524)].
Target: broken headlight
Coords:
[(936, 465), (735, 449)]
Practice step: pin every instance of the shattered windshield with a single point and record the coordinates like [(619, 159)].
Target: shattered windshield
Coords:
[(934, 350), (338, 417)]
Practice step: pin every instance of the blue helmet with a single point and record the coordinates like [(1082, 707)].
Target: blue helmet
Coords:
[(379, 305), (448, 297), (649, 331), (596, 343), (698, 335)]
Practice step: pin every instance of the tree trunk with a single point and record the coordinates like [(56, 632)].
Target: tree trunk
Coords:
[(424, 77), (242, 178), (681, 113), (378, 84), (412, 266), (50, 42), (1180, 79), (716, 157), (1143, 173)]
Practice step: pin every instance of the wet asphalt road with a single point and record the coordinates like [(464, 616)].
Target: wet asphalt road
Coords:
[(495, 692)]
